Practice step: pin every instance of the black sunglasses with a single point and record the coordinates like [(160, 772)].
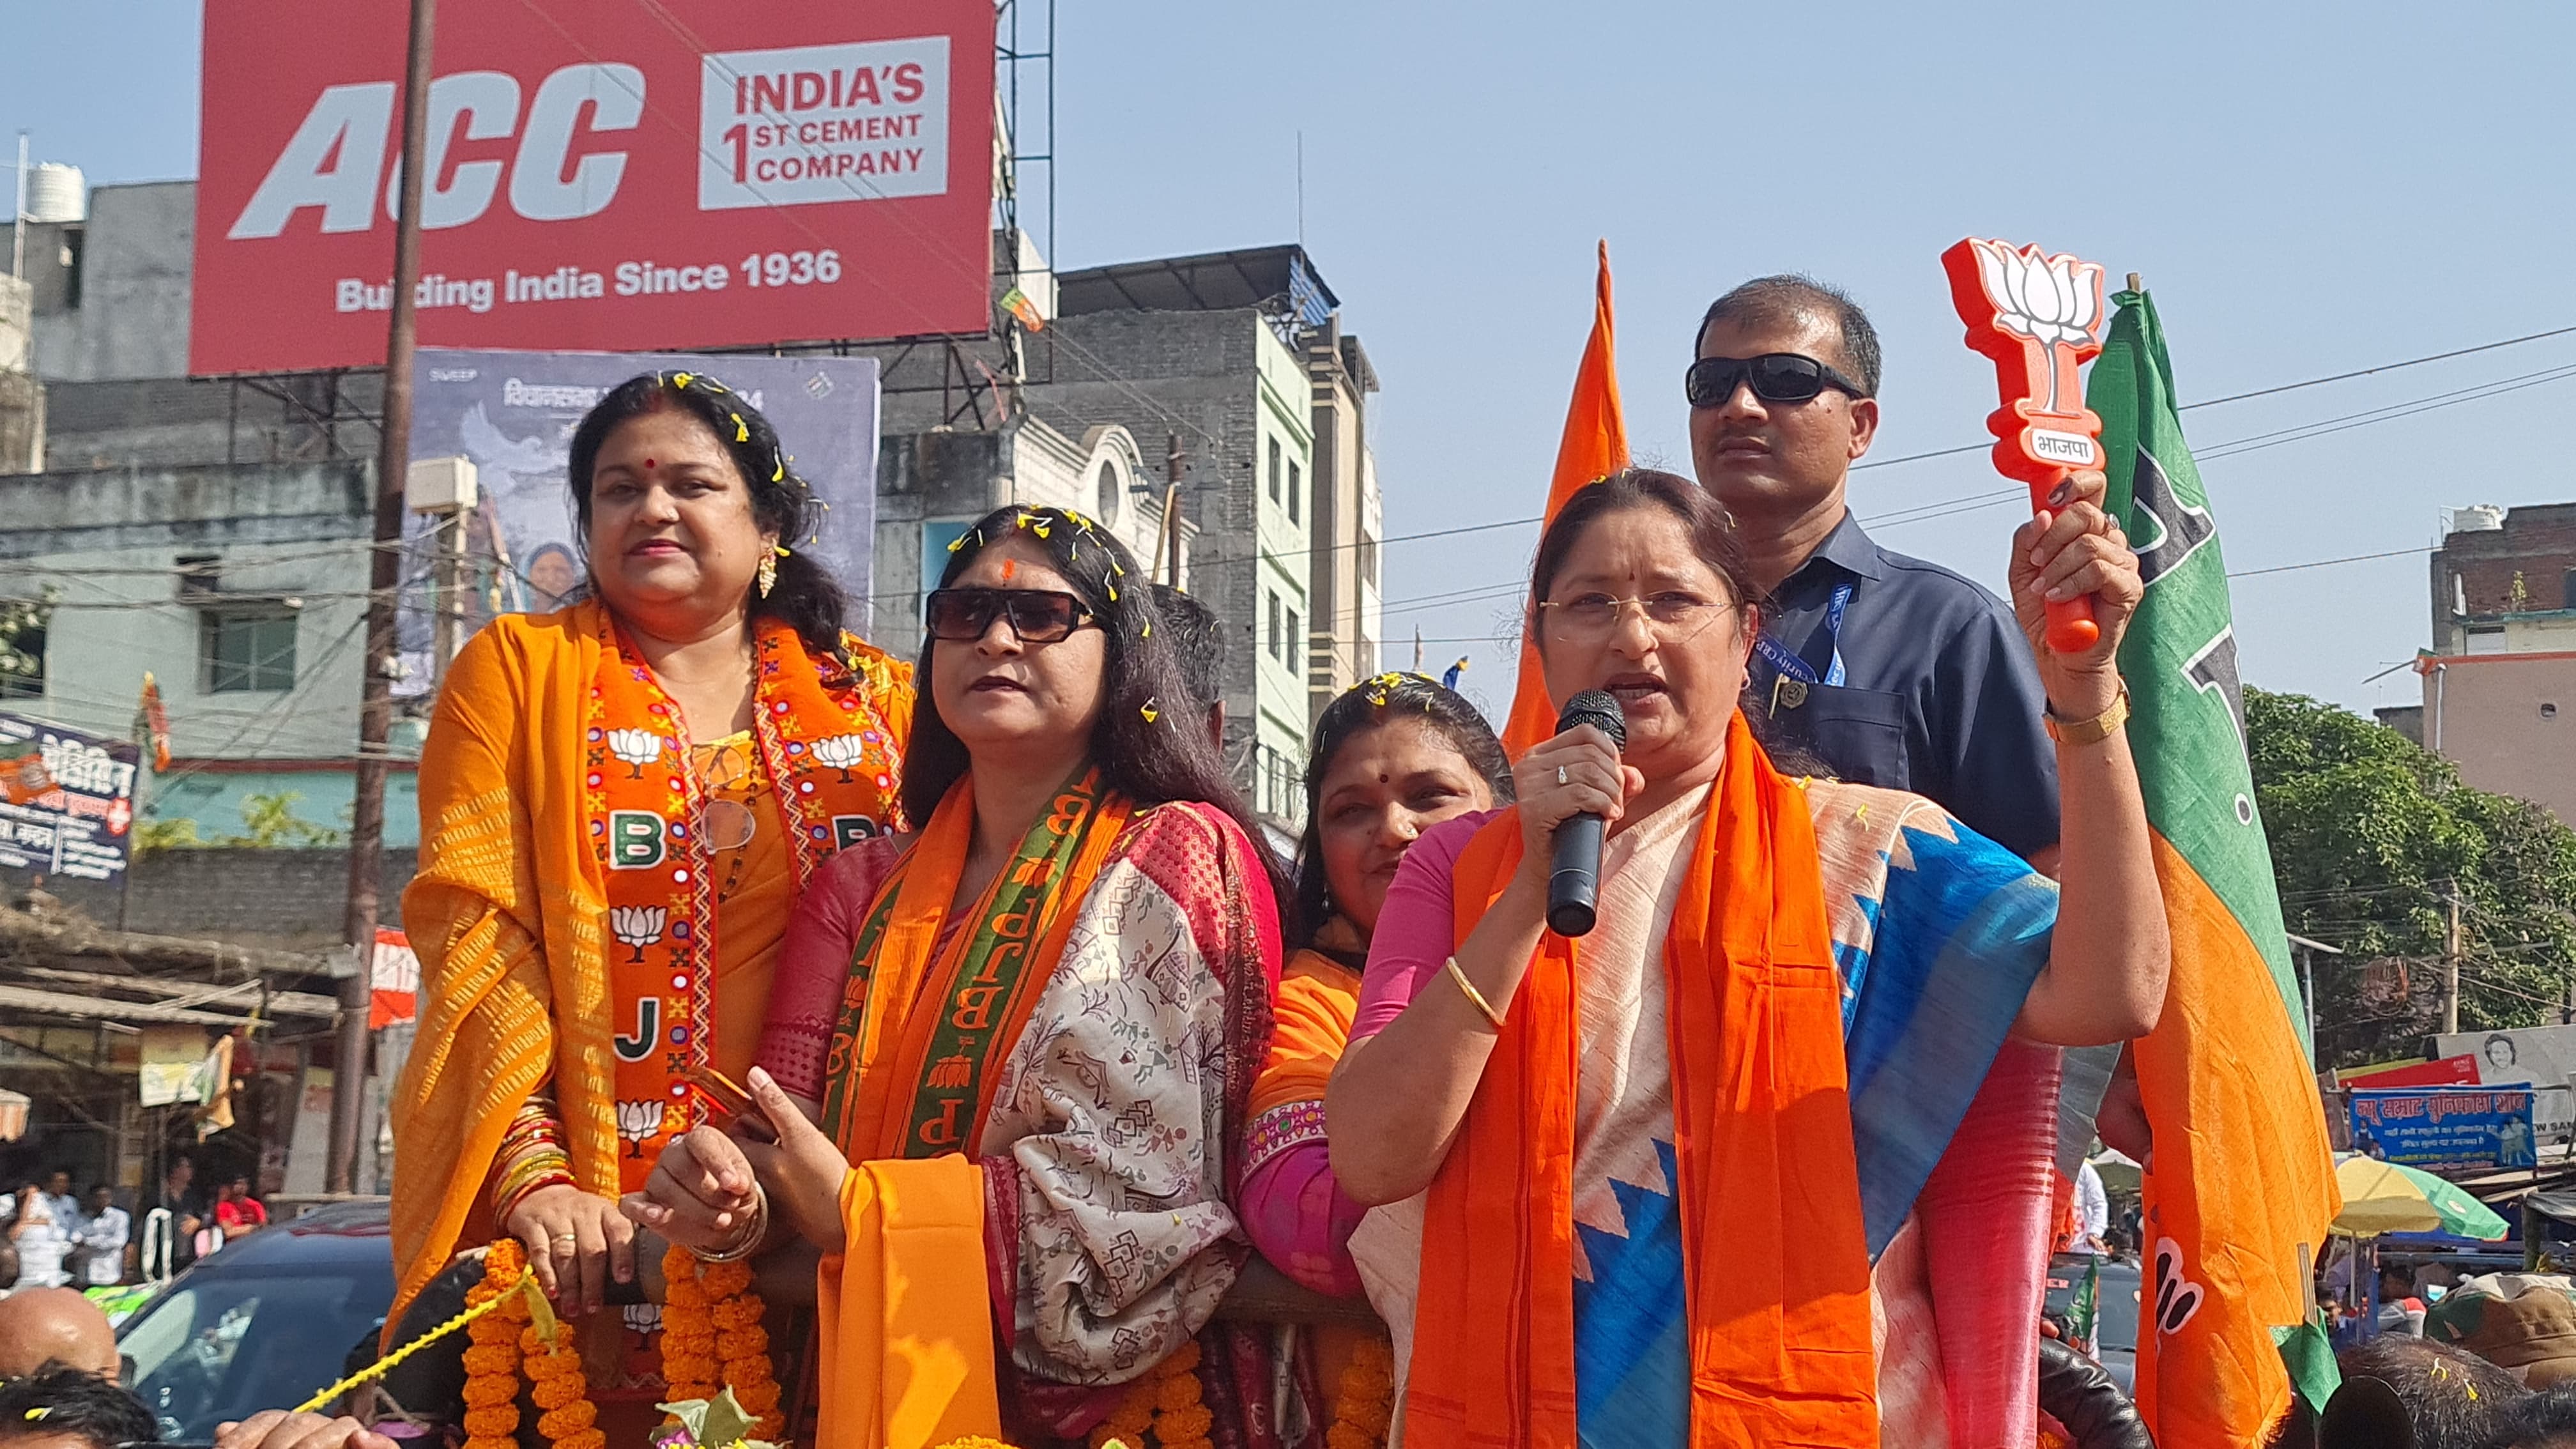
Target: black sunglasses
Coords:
[(1780, 377), (1038, 616)]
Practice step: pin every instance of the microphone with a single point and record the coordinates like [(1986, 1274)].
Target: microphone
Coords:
[(1574, 884)]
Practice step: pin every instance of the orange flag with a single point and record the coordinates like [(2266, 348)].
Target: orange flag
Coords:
[(1595, 445)]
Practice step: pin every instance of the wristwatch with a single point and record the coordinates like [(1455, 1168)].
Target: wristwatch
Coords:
[(2088, 731)]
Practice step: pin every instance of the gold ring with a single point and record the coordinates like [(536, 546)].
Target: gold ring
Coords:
[(567, 1237)]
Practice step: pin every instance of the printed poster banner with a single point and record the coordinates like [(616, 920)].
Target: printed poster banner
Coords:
[(2459, 1071), (2480, 1127), (2542, 1056), (513, 414), (80, 824), (685, 173)]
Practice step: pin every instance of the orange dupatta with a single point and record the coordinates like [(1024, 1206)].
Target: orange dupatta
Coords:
[(905, 1321), (1777, 1265)]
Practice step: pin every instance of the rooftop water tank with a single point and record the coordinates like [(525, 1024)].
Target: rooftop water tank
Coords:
[(2477, 518), (56, 192)]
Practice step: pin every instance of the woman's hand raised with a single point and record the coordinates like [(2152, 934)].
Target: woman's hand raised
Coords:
[(2073, 550), (1576, 773), (700, 1193)]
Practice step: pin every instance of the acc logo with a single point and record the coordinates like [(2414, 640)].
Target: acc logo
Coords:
[(337, 158), (634, 840)]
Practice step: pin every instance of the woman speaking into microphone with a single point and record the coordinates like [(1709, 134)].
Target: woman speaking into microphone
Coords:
[(1659, 1168)]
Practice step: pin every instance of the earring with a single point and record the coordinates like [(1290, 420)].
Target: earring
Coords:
[(767, 574)]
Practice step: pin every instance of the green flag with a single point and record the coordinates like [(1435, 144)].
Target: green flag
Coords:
[(2240, 1186)]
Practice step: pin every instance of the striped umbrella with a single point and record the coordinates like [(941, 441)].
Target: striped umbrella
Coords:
[(2384, 1197)]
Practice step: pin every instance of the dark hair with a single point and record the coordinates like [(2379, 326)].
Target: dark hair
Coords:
[(2544, 1419), (2457, 1400), (1198, 639), (1367, 706), (8, 1265), (807, 598), (1712, 529), (1152, 761), (1787, 297), (67, 1401)]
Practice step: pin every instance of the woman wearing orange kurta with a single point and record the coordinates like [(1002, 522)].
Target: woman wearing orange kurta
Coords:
[(620, 803), (1393, 756)]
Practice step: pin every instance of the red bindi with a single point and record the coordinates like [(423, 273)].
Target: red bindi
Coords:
[(648, 462)]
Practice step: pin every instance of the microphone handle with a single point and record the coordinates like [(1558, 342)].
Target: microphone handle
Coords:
[(1573, 884)]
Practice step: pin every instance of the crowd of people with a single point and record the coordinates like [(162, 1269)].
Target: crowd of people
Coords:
[(91, 1240), (964, 1001)]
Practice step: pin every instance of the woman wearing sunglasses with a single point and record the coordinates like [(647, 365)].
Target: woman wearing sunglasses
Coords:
[(1028, 1033), (619, 804), (1633, 1189)]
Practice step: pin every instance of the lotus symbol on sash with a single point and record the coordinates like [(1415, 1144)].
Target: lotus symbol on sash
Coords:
[(637, 1121), (642, 1317), (637, 748), (842, 753), (2046, 299), (638, 926)]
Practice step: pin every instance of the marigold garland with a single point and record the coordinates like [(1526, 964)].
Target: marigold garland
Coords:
[(492, 1363), (712, 1338), (506, 1341), (1366, 1401), (1164, 1406)]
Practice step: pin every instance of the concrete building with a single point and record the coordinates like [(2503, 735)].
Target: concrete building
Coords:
[(2500, 679), (241, 589)]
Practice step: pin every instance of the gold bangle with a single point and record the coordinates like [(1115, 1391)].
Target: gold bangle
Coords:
[(1475, 998), (2089, 731)]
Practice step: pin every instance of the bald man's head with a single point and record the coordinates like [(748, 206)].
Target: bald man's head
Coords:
[(54, 1325)]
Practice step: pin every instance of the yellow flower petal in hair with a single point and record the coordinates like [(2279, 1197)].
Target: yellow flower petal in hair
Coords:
[(680, 379), (1150, 713), (741, 429), (779, 473)]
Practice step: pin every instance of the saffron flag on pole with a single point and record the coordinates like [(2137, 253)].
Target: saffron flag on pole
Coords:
[(1595, 445), (2240, 1186)]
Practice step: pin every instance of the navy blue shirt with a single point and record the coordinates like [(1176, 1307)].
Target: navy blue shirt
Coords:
[(1939, 695)]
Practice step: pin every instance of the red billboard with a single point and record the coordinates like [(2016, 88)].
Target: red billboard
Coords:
[(602, 175)]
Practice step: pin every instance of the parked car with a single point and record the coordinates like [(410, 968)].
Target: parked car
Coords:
[(263, 1323), (2115, 1330)]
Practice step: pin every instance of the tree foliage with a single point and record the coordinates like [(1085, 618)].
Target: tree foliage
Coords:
[(269, 823), (22, 634), (2371, 834)]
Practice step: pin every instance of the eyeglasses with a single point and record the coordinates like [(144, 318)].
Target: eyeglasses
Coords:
[(1780, 377), (1671, 616), (1038, 616)]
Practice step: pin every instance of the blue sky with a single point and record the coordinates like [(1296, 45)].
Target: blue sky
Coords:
[(2308, 189)]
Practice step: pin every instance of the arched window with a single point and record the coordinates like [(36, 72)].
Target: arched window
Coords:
[(1113, 493)]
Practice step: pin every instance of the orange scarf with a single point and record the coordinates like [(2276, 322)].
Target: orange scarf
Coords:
[(520, 952), (885, 1095), (904, 1312), (830, 758), (1777, 1267)]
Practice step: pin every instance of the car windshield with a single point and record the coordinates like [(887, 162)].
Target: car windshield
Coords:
[(220, 1348)]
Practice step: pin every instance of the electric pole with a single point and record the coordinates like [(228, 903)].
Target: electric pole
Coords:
[(2451, 962), (384, 578)]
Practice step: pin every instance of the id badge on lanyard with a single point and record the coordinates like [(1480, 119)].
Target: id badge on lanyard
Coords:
[(1793, 674)]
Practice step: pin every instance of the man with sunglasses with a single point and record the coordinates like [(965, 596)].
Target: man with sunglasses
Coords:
[(1890, 670)]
